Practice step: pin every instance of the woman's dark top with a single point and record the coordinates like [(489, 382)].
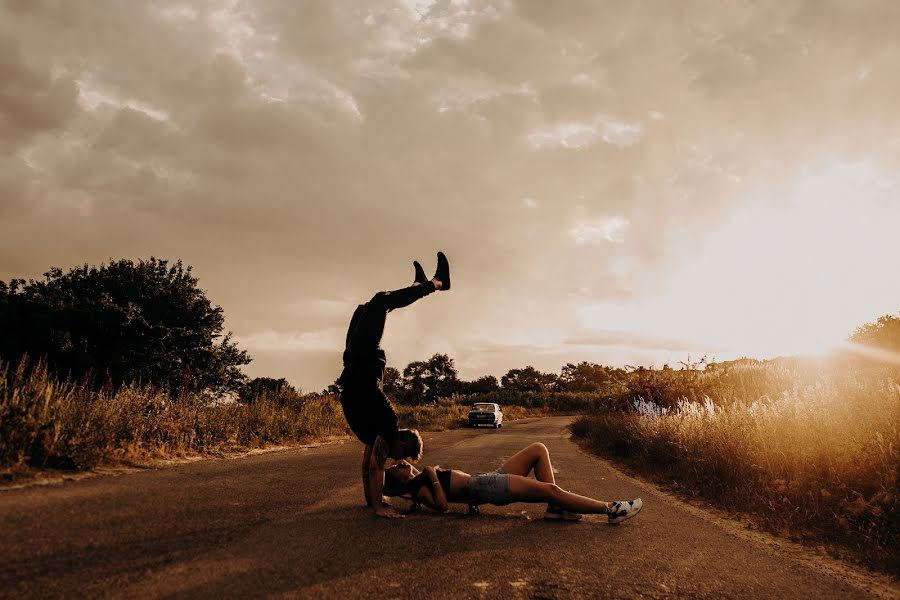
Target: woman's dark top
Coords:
[(421, 480)]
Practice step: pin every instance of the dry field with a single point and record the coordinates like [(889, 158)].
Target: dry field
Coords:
[(810, 453)]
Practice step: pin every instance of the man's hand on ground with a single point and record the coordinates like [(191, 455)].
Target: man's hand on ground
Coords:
[(388, 512)]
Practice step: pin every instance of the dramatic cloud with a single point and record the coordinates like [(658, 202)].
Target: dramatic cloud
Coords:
[(613, 181)]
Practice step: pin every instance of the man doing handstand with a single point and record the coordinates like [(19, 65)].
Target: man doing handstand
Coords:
[(368, 411)]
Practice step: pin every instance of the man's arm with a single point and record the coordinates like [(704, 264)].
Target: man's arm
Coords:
[(377, 459), (367, 456)]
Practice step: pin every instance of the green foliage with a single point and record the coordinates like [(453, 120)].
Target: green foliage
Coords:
[(393, 382), (576, 388), (126, 322), (483, 385), (883, 333), (269, 387), (431, 379), (528, 379), (587, 377)]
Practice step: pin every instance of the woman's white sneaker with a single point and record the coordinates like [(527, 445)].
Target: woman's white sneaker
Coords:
[(624, 510)]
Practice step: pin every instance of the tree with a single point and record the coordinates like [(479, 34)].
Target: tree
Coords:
[(482, 385), (266, 386), (431, 379), (585, 377), (124, 322), (392, 383), (528, 379), (883, 333)]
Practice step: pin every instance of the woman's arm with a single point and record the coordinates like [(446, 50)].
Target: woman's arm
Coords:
[(427, 498), (438, 498)]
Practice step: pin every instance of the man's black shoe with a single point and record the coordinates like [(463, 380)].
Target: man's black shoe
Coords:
[(420, 273), (442, 273)]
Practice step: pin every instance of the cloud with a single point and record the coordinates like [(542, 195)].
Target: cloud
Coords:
[(18, 189), (33, 99), (608, 230), (639, 340), (584, 135), (297, 153), (282, 341)]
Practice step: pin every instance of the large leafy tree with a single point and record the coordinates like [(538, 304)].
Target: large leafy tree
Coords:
[(119, 323)]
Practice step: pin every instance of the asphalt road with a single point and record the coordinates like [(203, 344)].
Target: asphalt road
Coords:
[(293, 524)]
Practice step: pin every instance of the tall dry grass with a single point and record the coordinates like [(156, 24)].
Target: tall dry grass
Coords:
[(45, 423), (814, 456)]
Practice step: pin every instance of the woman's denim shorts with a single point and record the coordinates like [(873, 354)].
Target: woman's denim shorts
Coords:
[(490, 488)]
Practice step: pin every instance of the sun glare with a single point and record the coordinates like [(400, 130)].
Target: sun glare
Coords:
[(879, 354), (777, 281)]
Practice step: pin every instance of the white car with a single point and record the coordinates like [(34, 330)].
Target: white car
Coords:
[(486, 413)]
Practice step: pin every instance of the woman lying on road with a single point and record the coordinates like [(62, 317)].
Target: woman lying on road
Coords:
[(435, 487)]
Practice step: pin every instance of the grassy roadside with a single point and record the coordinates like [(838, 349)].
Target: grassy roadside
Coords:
[(817, 461), (47, 424), (51, 425)]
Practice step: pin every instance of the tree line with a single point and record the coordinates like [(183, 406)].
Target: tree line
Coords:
[(423, 382), (147, 322)]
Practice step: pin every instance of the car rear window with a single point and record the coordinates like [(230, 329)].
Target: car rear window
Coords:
[(484, 407)]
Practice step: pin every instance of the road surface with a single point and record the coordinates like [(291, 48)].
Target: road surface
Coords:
[(292, 524)]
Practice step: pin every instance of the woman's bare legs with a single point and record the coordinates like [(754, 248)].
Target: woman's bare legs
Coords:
[(534, 457), (524, 489)]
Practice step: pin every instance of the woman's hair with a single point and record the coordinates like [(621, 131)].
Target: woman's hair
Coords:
[(393, 486), (412, 443)]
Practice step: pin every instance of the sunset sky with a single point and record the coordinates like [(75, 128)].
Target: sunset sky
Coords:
[(619, 181)]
